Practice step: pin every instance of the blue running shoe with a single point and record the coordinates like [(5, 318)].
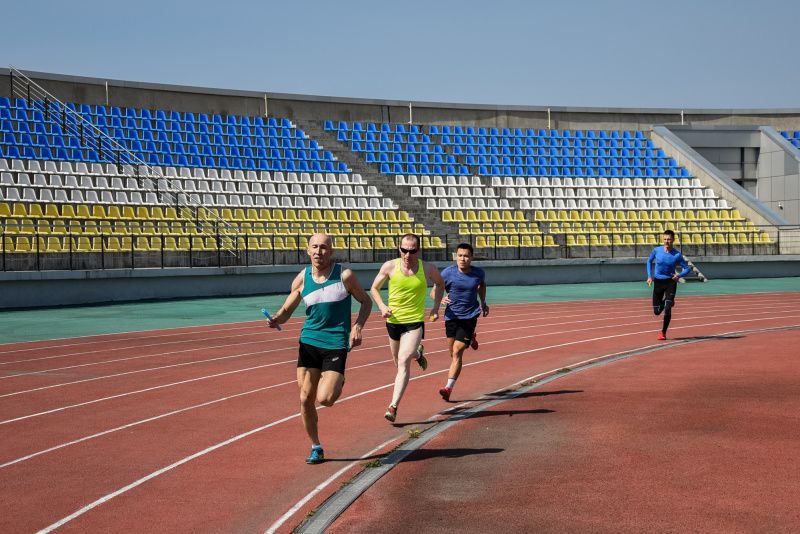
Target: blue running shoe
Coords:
[(317, 456)]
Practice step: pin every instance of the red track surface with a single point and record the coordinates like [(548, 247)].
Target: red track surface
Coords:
[(197, 430)]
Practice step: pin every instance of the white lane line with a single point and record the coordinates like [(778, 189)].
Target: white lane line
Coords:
[(155, 417), (203, 329), (293, 510), (154, 388), (143, 421), (251, 432), (153, 475), (432, 352), (34, 373)]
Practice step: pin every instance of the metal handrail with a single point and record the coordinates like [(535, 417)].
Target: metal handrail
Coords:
[(190, 210)]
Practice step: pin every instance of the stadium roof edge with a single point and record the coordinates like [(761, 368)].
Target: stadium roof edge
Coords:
[(367, 101)]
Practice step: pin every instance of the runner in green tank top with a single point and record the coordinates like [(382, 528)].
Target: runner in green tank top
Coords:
[(405, 315), (326, 336)]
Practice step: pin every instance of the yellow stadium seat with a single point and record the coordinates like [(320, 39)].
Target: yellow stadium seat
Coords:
[(5, 210), (766, 239), (483, 216), (142, 243), (458, 216), (22, 245), (35, 211), (627, 239), (339, 242), (54, 244), (447, 216), (83, 244), (574, 215), (51, 211), (604, 240), (480, 242), (570, 240), (20, 211)]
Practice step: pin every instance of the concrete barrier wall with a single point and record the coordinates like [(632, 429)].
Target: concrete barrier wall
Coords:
[(56, 288)]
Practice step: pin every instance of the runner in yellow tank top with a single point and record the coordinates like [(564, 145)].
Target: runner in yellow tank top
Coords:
[(405, 315)]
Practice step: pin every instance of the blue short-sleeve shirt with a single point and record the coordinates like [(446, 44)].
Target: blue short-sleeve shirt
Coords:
[(462, 288)]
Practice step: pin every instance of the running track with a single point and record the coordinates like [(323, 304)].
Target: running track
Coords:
[(198, 429)]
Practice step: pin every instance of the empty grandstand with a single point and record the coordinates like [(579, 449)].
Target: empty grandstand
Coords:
[(87, 184)]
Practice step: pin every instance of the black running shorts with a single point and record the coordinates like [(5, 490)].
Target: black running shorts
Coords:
[(313, 357), (461, 329), (397, 330), (664, 289)]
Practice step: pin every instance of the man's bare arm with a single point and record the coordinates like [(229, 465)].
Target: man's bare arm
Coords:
[(377, 284), (353, 287), (291, 304)]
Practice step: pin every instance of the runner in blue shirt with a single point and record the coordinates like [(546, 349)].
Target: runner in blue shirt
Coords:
[(464, 285), (326, 289), (666, 278)]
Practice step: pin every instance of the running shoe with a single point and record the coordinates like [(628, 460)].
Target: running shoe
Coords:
[(445, 393), (474, 343), (662, 336), (391, 413), (423, 363), (317, 456)]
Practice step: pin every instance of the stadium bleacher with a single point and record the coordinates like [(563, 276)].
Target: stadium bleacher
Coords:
[(70, 182)]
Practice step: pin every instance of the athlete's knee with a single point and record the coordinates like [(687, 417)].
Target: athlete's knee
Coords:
[(667, 307), (328, 401), (658, 309)]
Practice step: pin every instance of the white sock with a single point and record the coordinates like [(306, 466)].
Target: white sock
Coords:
[(451, 383)]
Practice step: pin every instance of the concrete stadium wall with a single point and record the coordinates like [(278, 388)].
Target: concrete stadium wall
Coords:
[(280, 105), (773, 175), (58, 288)]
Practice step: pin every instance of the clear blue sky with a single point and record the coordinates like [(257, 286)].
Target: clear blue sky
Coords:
[(612, 53)]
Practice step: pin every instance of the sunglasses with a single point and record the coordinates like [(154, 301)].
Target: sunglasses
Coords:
[(409, 250)]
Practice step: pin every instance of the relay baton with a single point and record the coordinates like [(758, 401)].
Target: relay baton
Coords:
[(270, 318)]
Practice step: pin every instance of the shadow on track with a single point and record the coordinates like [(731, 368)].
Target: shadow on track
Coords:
[(427, 454)]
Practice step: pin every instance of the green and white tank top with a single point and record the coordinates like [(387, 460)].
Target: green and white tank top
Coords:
[(327, 311), (407, 295)]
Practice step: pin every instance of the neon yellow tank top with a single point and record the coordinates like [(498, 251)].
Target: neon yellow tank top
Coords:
[(407, 296)]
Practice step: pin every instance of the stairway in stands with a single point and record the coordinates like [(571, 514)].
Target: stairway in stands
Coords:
[(369, 172)]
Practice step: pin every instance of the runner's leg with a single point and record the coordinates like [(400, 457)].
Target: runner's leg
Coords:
[(308, 379), (406, 352), (329, 388)]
